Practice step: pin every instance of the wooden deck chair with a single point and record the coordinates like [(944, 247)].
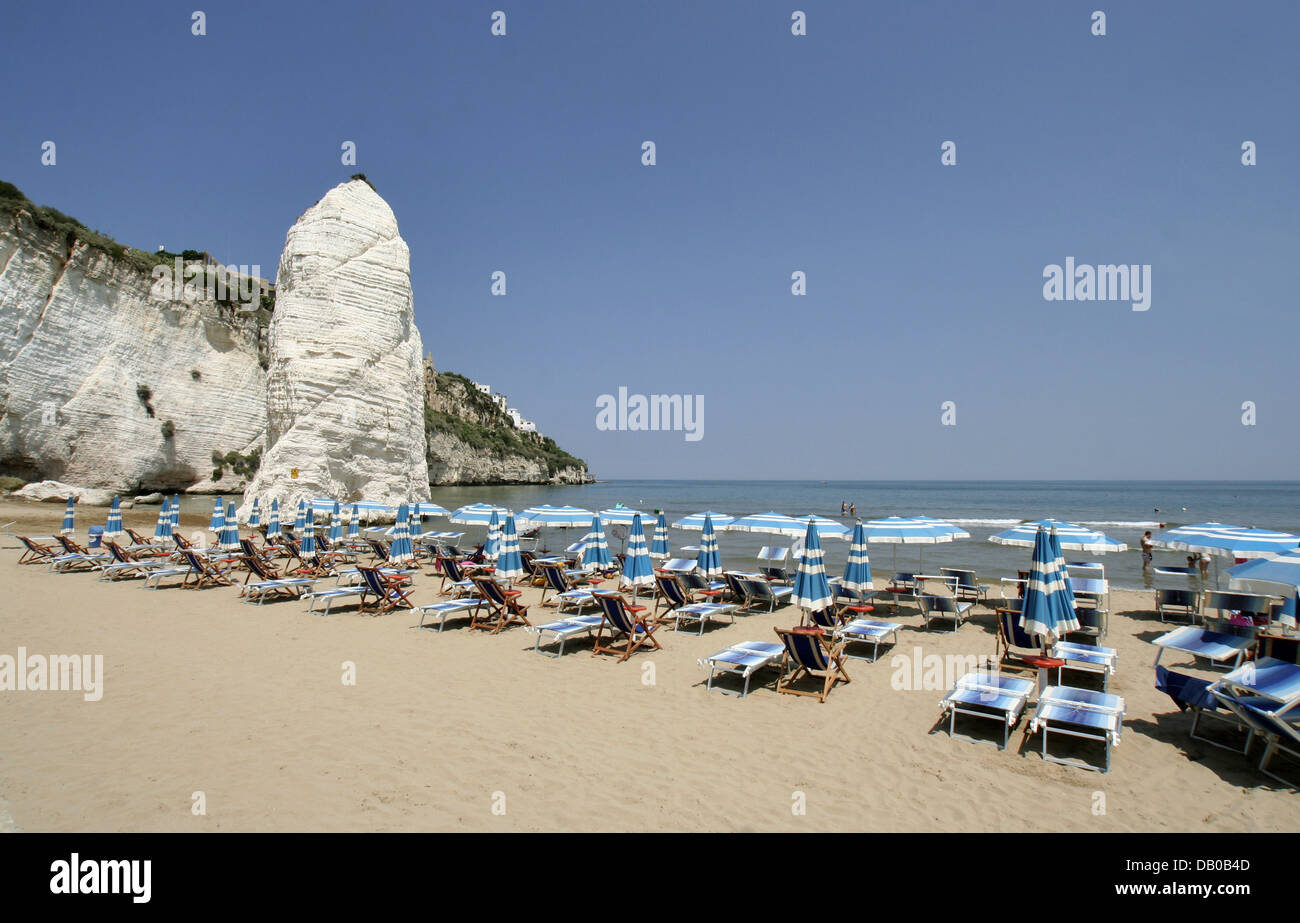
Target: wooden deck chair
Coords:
[(136, 537), (128, 564), (810, 654), (625, 622), (1014, 643), (502, 606), (384, 592), (204, 573), (454, 582), (670, 595), (35, 552)]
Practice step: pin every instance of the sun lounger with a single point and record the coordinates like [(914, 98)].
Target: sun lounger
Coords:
[(867, 631), (678, 565), (331, 594), (991, 696), (943, 607), (447, 608), (1185, 603), (771, 559), (1218, 648), (153, 580), (761, 593), (968, 586), (1080, 713), (1086, 658), (1278, 733), (562, 630), (744, 659), (126, 564), (701, 613)]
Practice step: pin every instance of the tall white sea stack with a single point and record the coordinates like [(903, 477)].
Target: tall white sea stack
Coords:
[(345, 386)]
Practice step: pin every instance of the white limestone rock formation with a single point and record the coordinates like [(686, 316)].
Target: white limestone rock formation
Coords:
[(345, 388)]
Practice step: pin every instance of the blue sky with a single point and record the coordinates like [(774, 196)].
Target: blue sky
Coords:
[(775, 153)]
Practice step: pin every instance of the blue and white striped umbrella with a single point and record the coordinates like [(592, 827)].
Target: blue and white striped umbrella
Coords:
[(826, 528), (1047, 609), (354, 522), (70, 517), (176, 513), (477, 514), (1228, 541), (273, 525), (413, 521), (595, 550), (696, 521), (218, 520), (300, 523), (1072, 537), (659, 546), (857, 572), (229, 538), (1061, 567), (637, 570), (401, 551), (771, 523), (431, 509), (336, 525), (164, 527), (560, 517), (255, 516), (708, 560), (1275, 576), (917, 530), (620, 514), (306, 539), (492, 545), (113, 528), (510, 563), (812, 591)]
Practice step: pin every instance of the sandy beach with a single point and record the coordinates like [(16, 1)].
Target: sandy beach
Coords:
[(464, 731)]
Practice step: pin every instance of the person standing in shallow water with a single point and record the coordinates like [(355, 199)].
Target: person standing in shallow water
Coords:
[(1147, 548), (853, 509), (844, 507)]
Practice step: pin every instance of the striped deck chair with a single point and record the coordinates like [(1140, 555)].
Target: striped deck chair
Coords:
[(76, 558), (624, 622), (856, 631), (502, 606), (808, 653), (562, 630), (669, 595), (271, 582), (454, 582), (383, 592), (128, 564), (205, 573), (567, 593), (696, 585), (35, 552), (762, 593)]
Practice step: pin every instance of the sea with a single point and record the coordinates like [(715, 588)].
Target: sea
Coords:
[(1121, 509)]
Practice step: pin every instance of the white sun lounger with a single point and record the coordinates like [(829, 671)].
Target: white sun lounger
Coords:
[(702, 612), (296, 585), (867, 631), (333, 593), (462, 606), (745, 659), (1079, 713), (155, 578), (1087, 658), (562, 630), (993, 696)]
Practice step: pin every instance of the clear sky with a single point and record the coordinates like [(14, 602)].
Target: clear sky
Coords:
[(775, 153)]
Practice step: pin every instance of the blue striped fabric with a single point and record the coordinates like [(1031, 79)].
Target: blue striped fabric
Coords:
[(164, 527), (1058, 556), (1072, 537), (354, 522), (336, 524), (1279, 575), (562, 517), (695, 522), (812, 591), (510, 563), (492, 545), (917, 530), (708, 560), (176, 513), (659, 547), (1047, 608), (771, 523), (637, 570), (595, 550), (255, 517), (857, 570), (826, 528), (477, 514), (300, 521), (620, 514), (273, 524), (401, 551), (229, 537), (1229, 541), (413, 522), (113, 527), (218, 520), (306, 539), (431, 509), (70, 517)]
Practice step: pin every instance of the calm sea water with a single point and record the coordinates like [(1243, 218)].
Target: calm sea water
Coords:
[(1121, 509)]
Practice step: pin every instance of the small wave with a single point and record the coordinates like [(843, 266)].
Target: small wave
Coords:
[(983, 522), (1119, 522)]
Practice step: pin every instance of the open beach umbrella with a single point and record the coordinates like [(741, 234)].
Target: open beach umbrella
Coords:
[(826, 528), (431, 509), (1070, 536), (336, 525), (696, 521), (659, 547), (70, 517), (708, 560), (229, 536), (218, 520), (113, 527), (637, 570), (917, 530), (401, 551), (771, 523), (255, 516), (595, 550), (1275, 576), (164, 527), (857, 571), (273, 524), (812, 591), (510, 563), (477, 514), (354, 522), (492, 544), (176, 513), (621, 514), (1220, 539), (1047, 609), (558, 517)]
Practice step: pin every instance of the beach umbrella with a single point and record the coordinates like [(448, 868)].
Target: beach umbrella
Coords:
[(306, 536), (113, 527), (176, 513), (255, 516), (637, 570), (595, 551), (812, 591), (1220, 539), (771, 523), (218, 520), (300, 523), (558, 517), (1071, 537), (354, 522), (336, 525), (1059, 557), (1275, 576), (659, 547), (826, 528), (431, 509), (1048, 608), (621, 514), (413, 520), (708, 560), (917, 530), (510, 563), (401, 551), (857, 572), (477, 514), (492, 545), (696, 521), (229, 537), (70, 517), (273, 524), (164, 527)]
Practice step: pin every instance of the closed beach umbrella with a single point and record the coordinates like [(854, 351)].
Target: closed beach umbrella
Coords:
[(1047, 609), (255, 516), (70, 517), (771, 523), (336, 524), (637, 569), (300, 523), (659, 547), (812, 591), (492, 545), (113, 528), (857, 571), (1071, 536), (1059, 557), (510, 563), (164, 527), (176, 513), (708, 560), (595, 551), (354, 522), (1275, 576), (218, 520), (306, 537), (1218, 538), (401, 550), (230, 531), (696, 521), (273, 525), (413, 520)]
